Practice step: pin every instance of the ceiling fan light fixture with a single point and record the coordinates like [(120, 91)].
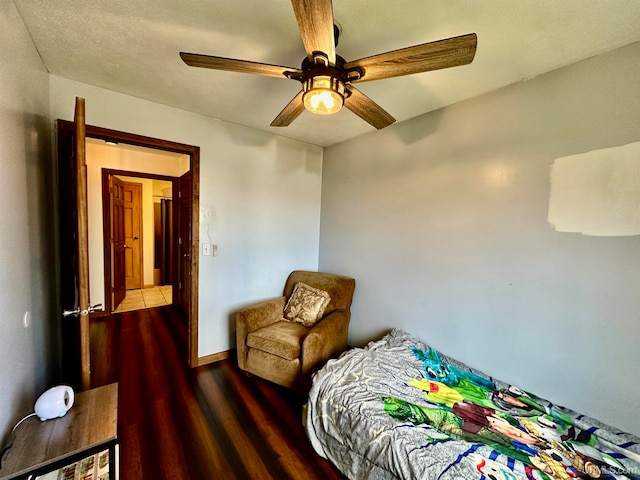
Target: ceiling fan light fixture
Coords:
[(323, 94), (327, 79)]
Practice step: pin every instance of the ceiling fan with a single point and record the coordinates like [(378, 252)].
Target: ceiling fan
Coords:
[(327, 79)]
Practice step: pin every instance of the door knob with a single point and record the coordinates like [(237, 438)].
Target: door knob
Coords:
[(135, 238), (96, 308), (92, 308)]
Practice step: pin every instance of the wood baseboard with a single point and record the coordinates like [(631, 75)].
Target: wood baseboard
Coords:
[(213, 358)]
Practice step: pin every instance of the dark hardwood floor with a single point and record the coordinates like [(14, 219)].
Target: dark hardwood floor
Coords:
[(211, 422)]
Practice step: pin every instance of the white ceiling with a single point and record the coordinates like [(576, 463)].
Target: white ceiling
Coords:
[(131, 46)]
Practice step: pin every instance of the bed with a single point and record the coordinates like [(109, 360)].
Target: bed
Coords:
[(399, 409)]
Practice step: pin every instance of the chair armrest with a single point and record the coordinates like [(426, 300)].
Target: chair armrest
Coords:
[(252, 318), (327, 339)]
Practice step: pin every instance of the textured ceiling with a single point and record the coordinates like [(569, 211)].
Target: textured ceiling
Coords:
[(131, 46)]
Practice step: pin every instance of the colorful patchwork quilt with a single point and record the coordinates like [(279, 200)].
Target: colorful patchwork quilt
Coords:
[(400, 409)]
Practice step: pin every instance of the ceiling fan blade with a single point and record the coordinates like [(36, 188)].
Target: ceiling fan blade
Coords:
[(290, 112), (450, 52), (315, 21), (367, 109), (232, 65)]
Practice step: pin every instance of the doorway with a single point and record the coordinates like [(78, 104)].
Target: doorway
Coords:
[(186, 280), (139, 239)]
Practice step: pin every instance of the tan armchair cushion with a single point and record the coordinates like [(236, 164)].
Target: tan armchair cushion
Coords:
[(306, 305), (283, 339)]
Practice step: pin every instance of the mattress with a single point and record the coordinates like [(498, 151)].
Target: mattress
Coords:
[(399, 409)]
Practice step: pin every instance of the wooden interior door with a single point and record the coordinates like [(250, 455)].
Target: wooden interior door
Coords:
[(116, 198), (185, 241), (133, 235), (74, 251)]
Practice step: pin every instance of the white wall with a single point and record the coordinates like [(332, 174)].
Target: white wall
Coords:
[(259, 198), (442, 220), (26, 248)]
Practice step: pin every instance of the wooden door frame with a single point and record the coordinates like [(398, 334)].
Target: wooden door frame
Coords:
[(106, 225), (194, 155)]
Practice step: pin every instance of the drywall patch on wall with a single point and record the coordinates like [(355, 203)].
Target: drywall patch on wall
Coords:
[(597, 193)]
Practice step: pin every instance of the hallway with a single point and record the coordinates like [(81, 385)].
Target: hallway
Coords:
[(145, 298)]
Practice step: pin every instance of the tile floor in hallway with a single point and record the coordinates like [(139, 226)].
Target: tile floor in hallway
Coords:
[(145, 298)]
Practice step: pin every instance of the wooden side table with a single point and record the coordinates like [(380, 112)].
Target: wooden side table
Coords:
[(89, 427)]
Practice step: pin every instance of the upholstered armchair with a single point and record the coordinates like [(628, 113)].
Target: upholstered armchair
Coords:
[(285, 346)]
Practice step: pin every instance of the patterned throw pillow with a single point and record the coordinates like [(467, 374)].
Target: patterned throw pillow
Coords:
[(306, 305)]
